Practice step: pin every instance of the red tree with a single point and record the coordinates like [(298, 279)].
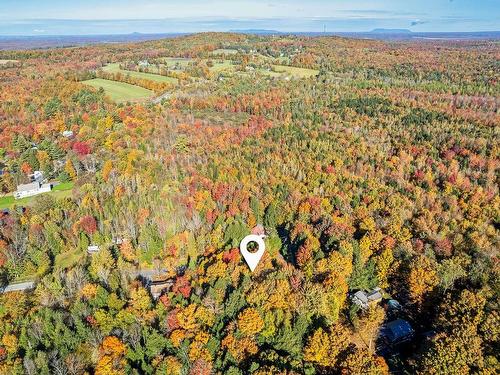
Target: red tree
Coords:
[(81, 148), (88, 224)]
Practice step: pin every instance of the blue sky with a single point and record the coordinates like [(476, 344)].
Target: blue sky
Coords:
[(53, 17)]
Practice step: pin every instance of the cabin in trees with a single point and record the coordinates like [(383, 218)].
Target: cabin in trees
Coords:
[(159, 285), (31, 189), (365, 300), (398, 331)]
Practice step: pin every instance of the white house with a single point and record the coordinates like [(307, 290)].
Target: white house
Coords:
[(29, 190), (67, 133)]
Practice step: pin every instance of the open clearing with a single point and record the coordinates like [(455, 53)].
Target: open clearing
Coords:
[(295, 72), (225, 51), (59, 191), (115, 68), (3, 62), (119, 91), (223, 66), (68, 259), (177, 63)]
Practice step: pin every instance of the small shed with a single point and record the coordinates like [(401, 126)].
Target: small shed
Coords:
[(93, 249), (392, 304)]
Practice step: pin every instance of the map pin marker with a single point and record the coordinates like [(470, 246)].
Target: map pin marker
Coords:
[(252, 259)]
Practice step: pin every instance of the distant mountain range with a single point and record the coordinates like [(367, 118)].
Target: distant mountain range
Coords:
[(391, 31), (256, 31), (35, 42)]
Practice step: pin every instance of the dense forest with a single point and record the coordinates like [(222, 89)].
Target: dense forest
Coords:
[(373, 168)]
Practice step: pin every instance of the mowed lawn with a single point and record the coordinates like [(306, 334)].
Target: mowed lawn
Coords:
[(60, 191), (115, 68), (119, 91)]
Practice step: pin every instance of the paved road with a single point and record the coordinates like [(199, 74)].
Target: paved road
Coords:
[(19, 287), (166, 95)]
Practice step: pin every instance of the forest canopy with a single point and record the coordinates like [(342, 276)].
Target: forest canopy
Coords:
[(372, 167)]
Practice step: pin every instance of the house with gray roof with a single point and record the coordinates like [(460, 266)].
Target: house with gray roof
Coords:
[(31, 189), (365, 299)]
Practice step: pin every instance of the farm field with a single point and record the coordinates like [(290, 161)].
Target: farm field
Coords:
[(119, 91), (295, 72), (115, 68), (177, 63), (2, 62), (269, 73), (225, 51), (223, 66)]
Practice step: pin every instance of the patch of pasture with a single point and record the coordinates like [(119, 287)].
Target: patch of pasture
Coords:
[(295, 72), (177, 63), (5, 62), (119, 91), (225, 51), (222, 66), (115, 68)]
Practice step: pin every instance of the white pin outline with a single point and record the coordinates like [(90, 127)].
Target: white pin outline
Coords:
[(252, 259)]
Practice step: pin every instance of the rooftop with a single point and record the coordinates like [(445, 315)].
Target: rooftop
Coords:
[(28, 187), (398, 329)]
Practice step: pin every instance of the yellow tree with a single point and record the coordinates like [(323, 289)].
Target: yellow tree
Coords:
[(111, 360), (369, 325), (422, 278), (70, 169), (360, 361), (323, 347), (250, 322)]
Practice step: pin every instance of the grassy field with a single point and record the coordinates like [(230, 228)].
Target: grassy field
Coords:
[(119, 91), (68, 259), (177, 62), (225, 66), (295, 72), (2, 62), (60, 191), (225, 51), (115, 68), (269, 72)]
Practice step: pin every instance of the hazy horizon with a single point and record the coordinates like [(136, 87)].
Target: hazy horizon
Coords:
[(56, 17)]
